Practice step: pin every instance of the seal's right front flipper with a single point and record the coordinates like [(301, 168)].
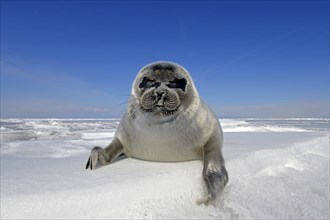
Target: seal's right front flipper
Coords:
[(88, 164), (97, 158), (100, 157)]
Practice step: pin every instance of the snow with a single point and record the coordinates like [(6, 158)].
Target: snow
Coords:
[(278, 169)]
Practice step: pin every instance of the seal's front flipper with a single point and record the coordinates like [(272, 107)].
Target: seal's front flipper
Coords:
[(205, 200), (214, 171), (215, 177), (88, 163), (97, 159), (100, 157)]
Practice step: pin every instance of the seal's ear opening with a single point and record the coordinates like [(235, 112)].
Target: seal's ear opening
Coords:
[(178, 84)]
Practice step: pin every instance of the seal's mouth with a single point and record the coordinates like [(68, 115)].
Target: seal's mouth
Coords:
[(160, 110)]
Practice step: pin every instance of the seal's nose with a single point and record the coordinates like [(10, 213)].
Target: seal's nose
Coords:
[(160, 93)]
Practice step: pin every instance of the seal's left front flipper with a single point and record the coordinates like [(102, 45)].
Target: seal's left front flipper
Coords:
[(214, 171), (215, 177)]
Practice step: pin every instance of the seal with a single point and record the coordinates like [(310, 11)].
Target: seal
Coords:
[(167, 121)]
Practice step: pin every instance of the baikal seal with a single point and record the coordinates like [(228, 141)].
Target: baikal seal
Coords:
[(167, 121)]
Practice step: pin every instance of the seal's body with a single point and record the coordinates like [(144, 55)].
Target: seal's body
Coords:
[(181, 139), (167, 121)]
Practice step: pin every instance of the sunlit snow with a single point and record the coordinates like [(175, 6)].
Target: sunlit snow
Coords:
[(278, 168)]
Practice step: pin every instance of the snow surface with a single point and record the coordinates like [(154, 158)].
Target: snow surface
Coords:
[(277, 168)]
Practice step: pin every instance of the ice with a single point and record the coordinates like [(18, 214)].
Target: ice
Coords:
[(274, 125), (285, 183), (278, 169)]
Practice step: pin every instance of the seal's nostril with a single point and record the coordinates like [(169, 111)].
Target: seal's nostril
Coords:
[(160, 93)]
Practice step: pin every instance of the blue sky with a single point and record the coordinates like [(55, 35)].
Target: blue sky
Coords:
[(247, 58)]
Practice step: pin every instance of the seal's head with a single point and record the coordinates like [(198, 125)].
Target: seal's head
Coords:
[(162, 89)]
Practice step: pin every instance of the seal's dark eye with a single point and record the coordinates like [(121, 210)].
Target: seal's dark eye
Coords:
[(178, 84), (148, 83)]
